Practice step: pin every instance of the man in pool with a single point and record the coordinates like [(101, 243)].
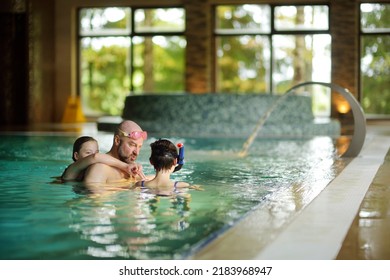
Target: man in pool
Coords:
[(127, 142), (86, 153)]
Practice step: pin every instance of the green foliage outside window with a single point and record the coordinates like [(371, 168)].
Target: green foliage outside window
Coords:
[(105, 79), (250, 57), (115, 61), (375, 58)]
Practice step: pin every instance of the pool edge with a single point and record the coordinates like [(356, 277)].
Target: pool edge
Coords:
[(316, 232)]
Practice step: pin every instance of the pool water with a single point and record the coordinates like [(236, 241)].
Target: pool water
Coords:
[(41, 219)]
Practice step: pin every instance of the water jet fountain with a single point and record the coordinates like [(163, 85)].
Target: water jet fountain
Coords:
[(359, 134)]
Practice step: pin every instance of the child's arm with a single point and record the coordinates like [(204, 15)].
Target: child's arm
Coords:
[(187, 185), (196, 187), (73, 170)]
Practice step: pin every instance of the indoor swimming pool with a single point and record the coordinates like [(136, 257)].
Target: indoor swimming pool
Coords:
[(41, 219)]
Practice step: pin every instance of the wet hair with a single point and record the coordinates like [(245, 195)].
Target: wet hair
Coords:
[(164, 153), (79, 142)]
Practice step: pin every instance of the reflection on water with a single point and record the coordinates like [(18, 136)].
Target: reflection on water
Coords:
[(44, 220), (133, 224), (342, 144)]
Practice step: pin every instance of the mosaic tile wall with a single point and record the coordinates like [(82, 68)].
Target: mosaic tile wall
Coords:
[(223, 115)]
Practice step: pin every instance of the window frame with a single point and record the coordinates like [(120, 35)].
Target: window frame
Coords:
[(273, 32), (132, 33)]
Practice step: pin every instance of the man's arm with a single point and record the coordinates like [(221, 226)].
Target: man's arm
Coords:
[(100, 178)]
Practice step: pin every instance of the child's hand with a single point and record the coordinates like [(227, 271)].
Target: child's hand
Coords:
[(196, 187), (135, 169)]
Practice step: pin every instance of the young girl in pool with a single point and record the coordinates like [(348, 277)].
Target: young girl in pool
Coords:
[(86, 153), (164, 158)]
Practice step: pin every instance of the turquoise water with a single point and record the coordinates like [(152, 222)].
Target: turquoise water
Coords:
[(40, 219)]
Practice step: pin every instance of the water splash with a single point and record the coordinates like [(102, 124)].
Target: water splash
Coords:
[(259, 125), (359, 119)]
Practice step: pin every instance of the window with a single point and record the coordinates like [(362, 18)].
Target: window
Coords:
[(124, 50), (375, 58), (266, 48)]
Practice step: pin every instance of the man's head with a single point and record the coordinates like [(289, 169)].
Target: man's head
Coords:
[(128, 140)]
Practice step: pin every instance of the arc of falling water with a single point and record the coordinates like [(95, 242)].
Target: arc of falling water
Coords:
[(259, 125), (359, 133)]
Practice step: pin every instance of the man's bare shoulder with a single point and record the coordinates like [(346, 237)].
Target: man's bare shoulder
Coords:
[(99, 166), (103, 173), (97, 172)]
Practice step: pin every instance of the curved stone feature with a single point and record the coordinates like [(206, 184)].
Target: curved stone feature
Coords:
[(359, 134)]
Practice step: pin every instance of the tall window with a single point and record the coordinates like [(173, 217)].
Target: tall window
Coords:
[(266, 48), (124, 50), (375, 58)]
